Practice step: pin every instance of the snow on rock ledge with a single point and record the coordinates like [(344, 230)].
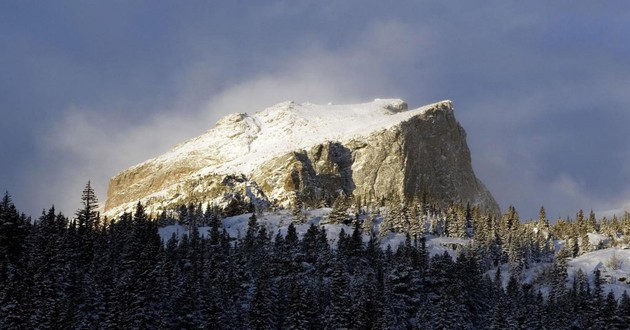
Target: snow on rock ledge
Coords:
[(376, 150)]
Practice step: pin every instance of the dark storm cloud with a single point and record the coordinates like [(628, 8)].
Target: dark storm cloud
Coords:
[(88, 89)]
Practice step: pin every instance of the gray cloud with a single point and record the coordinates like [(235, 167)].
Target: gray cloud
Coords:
[(540, 88), (101, 144)]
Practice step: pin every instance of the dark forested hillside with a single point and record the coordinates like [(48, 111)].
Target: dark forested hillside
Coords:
[(93, 273)]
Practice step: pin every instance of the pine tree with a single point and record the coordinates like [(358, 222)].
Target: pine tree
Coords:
[(299, 312), (580, 222), (623, 310), (543, 227), (253, 228), (597, 302), (88, 215), (500, 314), (13, 232), (216, 227), (367, 224), (585, 245), (591, 223), (356, 241), (292, 239), (458, 222), (385, 227), (610, 310), (339, 212), (575, 247), (299, 216), (338, 312), (260, 314)]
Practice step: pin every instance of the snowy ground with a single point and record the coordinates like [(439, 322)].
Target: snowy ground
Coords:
[(613, 263), (279, 221)]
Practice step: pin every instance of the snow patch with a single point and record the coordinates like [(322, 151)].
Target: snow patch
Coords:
[(278, 222), (613, 263)]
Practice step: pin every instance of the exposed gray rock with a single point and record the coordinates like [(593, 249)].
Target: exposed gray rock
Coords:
[(424, 150)]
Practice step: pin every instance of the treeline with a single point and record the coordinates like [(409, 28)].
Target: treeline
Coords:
[(87, 273)]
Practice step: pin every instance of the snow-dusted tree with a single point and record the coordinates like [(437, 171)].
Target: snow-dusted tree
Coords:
[(597, 302), (575, 247), (368, 223), (509, 220), (500, 315), (417, 226), (405, 285), (298, 212), (457, 222), (585, 244), (591, 222), (559, 275), (13, 231), (623, 309), (338, 313), (260, 314), (339, 212), (385, 226), (397, 218), (438, 224), (508, 225), (543, 222), (299, 306)]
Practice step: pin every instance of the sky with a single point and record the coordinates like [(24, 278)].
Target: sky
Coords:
[(90, 88)]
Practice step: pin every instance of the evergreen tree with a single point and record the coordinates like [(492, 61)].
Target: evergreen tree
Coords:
[(260, 314), (543, 222), (338, 312), (299, 215), (591, 223), (597, 302), (623, 310), (585, 245), (88, 215), (299, 313), (580, 221), (339, 212), (13, 232), (575, 247), (610, 311)]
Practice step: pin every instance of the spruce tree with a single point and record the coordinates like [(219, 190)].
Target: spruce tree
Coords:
[(597, 302), (585, 245), (623, 309), (88, 215), (299, 215), (610, 310), (591, 223), (339, 212)]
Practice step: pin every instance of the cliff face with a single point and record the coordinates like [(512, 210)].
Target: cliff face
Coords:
[(373, 151)]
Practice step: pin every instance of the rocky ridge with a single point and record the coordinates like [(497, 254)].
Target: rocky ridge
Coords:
[(313, 153)]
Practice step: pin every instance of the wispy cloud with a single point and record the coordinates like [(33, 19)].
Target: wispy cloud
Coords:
[(540, 88), (95, 145)]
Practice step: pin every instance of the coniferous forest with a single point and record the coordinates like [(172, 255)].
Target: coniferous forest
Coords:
[(87, 272)]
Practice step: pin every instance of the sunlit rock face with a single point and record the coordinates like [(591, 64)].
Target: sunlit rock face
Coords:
[(313, 153)]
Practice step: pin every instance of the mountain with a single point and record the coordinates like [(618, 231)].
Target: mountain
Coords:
[(290, 153)]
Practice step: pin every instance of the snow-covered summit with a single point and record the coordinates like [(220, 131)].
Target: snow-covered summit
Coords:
[(314, 153), (240, 142)]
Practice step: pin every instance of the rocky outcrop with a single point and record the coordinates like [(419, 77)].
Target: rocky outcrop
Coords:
[(375, 151)]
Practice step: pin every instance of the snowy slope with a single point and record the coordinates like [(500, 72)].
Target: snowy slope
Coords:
[(241, 142), (279, 221), (613, 263)]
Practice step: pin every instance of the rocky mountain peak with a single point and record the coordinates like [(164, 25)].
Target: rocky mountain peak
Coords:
[(313, 153)]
